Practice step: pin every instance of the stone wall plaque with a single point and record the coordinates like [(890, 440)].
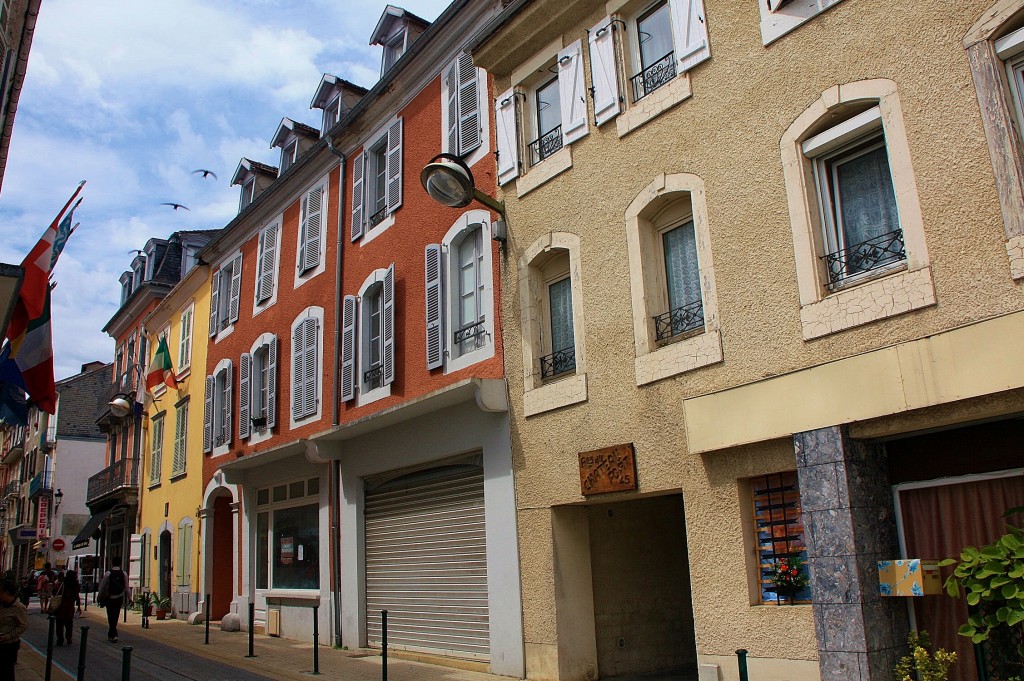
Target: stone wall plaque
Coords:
[(611, 469)]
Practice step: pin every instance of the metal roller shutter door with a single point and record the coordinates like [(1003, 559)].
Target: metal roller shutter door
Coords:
[(426, 564)]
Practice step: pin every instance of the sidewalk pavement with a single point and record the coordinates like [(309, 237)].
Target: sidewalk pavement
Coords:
[(276, 657)]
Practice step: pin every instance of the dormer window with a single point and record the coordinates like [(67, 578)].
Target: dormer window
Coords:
[(126, 286), (288, 153), (395, 32), (335, 96), (393, 50), (188, 258), (332, 114), (253, 177), (138, 271), (150, 260), (248, 191)]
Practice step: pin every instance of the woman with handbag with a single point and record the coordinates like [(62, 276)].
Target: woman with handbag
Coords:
[(67, 592)]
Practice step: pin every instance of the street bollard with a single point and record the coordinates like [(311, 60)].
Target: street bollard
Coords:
[(206, 619), (126, 663), (145, 610), (316, 639), (252, 627), (124, 606), (741, 659), (49, 646), (383, 645), (81, 652)]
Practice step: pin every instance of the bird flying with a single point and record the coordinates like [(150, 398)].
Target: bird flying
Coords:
[(206, 173), (175, 206)]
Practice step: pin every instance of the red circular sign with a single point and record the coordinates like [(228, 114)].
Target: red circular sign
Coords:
[(58, 544)]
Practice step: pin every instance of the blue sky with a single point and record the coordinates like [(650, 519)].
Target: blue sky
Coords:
[(132, 96)]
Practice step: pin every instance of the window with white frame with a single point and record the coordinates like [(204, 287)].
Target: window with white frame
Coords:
[(217, 412), (559, 343), (377, 179), (306, 362), (138, 271), (287, 535), (185, 338), (288, 154), (368, 339), (248, 193), (224, 295), (459, 295), (311, 233), (394, 48), (183, 573), (180, 438), (460, 99), (332, 114), (266, 267), (156, 449), (779, 17), (257, 409), (553, 110), (859, 217), (150, 260), (126, 286), (189, 258)]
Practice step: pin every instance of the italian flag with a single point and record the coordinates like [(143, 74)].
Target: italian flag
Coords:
[(160, 369)]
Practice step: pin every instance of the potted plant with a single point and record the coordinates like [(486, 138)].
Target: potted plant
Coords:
[(163, 606), (788, 577)]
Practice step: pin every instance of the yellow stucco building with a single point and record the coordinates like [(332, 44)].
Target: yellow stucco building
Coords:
[(763, 306), (165, 555)]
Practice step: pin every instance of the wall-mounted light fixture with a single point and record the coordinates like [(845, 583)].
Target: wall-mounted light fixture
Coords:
[(449, 181)]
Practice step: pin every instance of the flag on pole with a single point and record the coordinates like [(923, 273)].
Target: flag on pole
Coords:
[(160, 369), (36, 360)]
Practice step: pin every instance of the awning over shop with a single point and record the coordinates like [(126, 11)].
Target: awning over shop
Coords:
[(21, 535), (85, 536)]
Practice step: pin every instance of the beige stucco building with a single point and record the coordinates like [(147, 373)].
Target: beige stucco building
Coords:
[(772, 252)]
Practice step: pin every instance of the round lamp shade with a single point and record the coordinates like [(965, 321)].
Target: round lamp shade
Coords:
[(119, 406), (447, 183)]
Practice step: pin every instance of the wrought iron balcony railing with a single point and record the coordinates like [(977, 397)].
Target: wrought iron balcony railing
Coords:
[(654, 76), (545, 145), (374, 373), (378, 217), (469, 332), (41, 482), (12, 489), (680, 320), (48, 438), (121, 475), (558, 362), (868, 255)]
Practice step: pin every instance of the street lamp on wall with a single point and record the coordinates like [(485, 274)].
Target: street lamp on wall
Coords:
[(124, 401), (449, 181), (58, 496)]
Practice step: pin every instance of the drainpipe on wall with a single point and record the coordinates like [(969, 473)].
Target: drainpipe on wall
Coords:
[(334, 495)]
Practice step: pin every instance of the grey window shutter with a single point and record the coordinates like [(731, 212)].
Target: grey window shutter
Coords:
[(572, 93), (603, 71), (358, 164), (229, 377), (297, 369), (208, 415), (236, 286), (348, 348), (309, 366), (451, 83), (271, 405), (505, 136), (244, 397), (435, 306), (690, 31), (389, 325), (394, 169), (469, 105), (268, 256), (311, 229), (214, 303)]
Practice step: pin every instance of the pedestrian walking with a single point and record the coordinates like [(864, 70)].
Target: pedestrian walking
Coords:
[(111, 596), (70, 602), (13, 623), (45, 587)]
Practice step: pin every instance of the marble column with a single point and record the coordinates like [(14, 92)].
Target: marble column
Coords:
[(849, 525)]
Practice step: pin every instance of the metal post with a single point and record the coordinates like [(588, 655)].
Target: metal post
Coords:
[(741, 659), (316, 639), (49, 646), (126, 663), (383, 645), (252, 626), (207, 619), (124, 605), (145, 610), (81, 652)]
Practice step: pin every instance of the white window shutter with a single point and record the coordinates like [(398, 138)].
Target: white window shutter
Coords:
[(229, 377), (297, 371), (505, 134), (435, 306), (389, 325), (311, 228), (208, 415), (214, 303), (244, 397), (394, 169), (135, 558), (603, 73), (236, 286), (268, 258), (310, 373), (469, 105), (358, 165), (690, 30), (451, 84), (348, 348), (572, 93), (271, 406)]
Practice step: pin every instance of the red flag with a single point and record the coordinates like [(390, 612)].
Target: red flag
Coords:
[(36, 360)]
